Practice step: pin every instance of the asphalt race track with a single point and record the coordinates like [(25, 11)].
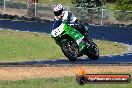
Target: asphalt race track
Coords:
[(110, 33)]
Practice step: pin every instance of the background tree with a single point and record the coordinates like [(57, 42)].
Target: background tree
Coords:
[(124, 6), (84, 9), (110, 1), (86, 3)]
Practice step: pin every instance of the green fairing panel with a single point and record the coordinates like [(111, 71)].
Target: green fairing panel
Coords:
[(76, 35), (63, 30)]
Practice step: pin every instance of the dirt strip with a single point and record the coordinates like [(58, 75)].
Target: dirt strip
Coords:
[(20, 73)]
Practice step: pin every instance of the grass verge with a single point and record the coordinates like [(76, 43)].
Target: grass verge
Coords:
[(65, 82), (20, 46)]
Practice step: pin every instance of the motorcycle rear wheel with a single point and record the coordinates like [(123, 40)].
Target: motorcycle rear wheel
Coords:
[(93, 52)]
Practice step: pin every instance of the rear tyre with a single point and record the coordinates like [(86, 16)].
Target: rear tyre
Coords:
[(70, 49), (93, 52)]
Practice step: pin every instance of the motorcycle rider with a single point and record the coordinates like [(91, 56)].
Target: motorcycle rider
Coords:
[(61, 15)]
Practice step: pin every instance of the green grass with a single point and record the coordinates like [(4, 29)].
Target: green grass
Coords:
[(21, 46), (15, 46), (65, 82), (107, 47)]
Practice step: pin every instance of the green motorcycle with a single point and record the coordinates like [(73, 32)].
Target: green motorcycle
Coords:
[(73, 43)]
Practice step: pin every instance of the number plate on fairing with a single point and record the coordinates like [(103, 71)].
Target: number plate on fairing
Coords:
[(56, 32)]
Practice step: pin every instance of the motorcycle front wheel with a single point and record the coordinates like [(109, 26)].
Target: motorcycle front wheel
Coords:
[(70, 49)]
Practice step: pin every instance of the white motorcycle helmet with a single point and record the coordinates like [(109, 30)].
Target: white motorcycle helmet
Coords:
[(58, 9)]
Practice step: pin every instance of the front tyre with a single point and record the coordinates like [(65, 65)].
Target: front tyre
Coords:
[(93, 52), (70, 49)]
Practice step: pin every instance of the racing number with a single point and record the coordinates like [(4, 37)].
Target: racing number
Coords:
[(56, 31)]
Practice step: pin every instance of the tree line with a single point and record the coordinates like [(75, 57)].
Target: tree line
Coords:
[(119, 4)]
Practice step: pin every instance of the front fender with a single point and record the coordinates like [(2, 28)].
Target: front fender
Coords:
[(76, 36)]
